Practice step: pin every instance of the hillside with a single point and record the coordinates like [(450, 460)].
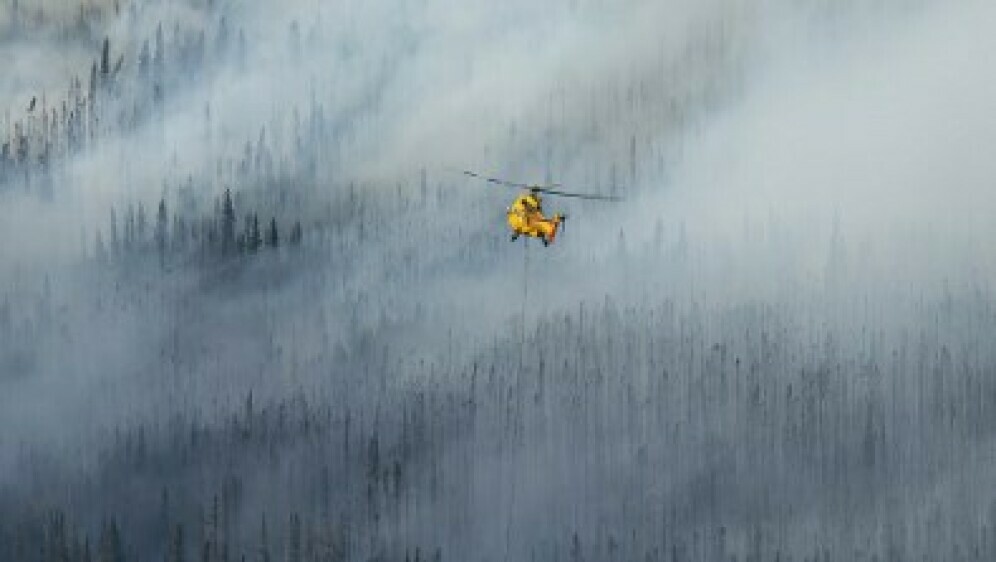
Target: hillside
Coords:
[(251, 309)]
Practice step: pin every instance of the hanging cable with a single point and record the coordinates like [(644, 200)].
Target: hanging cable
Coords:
[(525, 298)]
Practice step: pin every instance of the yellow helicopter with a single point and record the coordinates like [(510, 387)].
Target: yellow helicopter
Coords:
[(525, 215)]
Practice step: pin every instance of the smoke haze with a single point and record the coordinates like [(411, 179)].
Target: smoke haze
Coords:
[(249, 306)]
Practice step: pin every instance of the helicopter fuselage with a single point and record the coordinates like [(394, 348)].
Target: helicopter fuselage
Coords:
[(525, 218)]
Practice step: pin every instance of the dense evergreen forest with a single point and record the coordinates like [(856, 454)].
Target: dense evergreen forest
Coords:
[(250, 310)]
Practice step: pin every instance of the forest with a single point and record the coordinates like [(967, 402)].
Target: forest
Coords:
[(251, 309)]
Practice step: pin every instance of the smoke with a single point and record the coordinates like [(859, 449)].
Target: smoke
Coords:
[(873, 134), (746, 129), (825, 163)]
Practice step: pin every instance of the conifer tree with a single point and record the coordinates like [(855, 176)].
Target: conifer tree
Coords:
[(294, 539), (115, 241), (255, 240), (242, 50), (221, 38), (144, 61), (264, 547), (93, 85), (87, 555), (110, 548), (140, 226), (159, 59), (161, 219), (247, 232), (176, 549), (272, 238), (129, 235), (99, 249), (227, 224), (179, 237), (105, 59), (296, 235)]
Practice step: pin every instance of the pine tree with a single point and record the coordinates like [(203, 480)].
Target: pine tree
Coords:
[(140, 227), (93, 84), (179, 237), (99, 250), (161, 233), (296, 235), (214, 525), (264, 547), (227, 224), (144, 61), (221, 39), (255, 240), (105, 59), (272, 238), (158, 66), (110, 548), (246, 234), (58, 545), (159, 59), (115, 241), (129, 237), (242, 50), (294, 539), (294, 41), (176, 549)]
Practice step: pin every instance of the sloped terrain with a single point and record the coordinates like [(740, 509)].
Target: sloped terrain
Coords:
[(250, 309)]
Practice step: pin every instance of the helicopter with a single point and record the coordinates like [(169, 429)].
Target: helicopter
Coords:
[(525, 215)]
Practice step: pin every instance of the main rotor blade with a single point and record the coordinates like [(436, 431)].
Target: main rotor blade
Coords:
[(542, 188), (499, 181), (612, 198)]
